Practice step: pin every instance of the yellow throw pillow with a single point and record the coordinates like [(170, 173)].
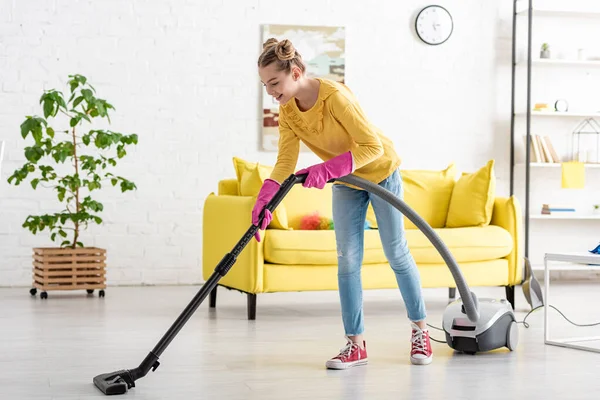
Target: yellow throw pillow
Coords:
[(428, 192), (472, 199), (251, 176)]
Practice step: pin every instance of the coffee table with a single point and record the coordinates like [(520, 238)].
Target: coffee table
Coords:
[(584, 259)]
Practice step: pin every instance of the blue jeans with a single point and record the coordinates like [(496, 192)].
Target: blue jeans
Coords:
[(349, 214)]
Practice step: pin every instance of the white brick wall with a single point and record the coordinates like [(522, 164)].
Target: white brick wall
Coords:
[(182, 74)]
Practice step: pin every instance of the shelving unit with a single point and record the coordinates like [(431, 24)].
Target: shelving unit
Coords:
[(523, 10)]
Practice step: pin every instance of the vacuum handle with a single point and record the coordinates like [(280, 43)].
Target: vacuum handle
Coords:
[(284, 189)]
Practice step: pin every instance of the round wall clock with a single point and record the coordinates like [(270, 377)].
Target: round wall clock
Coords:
[(434, 25)]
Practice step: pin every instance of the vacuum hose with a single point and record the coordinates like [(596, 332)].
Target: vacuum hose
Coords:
[(469, 299)]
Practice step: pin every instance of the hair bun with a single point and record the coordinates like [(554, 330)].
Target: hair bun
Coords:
[(285, 50), (270, 42)]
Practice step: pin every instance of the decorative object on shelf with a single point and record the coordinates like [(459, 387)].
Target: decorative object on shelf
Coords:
[(434, 25), (587, 131), (88, 155), (541, 107), (596, 208), (573, 175), (561, 105), (545, 51), (542, 150), (548, 209)]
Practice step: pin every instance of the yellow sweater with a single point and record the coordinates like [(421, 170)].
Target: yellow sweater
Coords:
[(334, 125)]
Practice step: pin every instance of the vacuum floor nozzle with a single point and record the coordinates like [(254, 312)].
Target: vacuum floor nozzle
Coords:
[(117, 382)]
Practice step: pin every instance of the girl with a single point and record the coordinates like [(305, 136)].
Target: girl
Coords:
[(326, 116)]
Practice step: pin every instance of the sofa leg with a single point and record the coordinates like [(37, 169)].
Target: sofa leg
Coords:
[(251, 306), (451, 293), (510, 295), (213, 298)]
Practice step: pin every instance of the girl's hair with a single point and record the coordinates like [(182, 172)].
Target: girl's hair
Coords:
[(283, 53)]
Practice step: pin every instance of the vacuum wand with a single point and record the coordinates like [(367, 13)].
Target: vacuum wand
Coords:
[(120, 381)]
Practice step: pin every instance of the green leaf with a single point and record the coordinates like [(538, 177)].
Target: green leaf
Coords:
[(98, 220), (48, 107), (65, 242), (61, 193), (53, 236), (87, 95), (86, 139), (34, 183), (74, 121), (80, 244), (50, 132), (62, 233), (77, 101), (34, 153), (114, 181), (121, 152)]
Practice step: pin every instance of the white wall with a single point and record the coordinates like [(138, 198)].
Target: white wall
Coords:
[(182, 74)]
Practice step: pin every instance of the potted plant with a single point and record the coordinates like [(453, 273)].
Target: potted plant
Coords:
[(545, 51), (596, 209), (82, 162)]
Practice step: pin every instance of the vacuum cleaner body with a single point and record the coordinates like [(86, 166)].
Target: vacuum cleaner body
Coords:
[(495, 328)]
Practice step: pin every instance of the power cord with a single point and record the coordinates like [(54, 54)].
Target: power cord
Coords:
[(524, 322)]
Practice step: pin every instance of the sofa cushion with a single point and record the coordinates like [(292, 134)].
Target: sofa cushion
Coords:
[(318, 247), (428, 193), (473, 198), (250, 178)]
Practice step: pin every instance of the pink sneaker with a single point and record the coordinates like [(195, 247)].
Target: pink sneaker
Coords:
[(351, 355), (421, 352)]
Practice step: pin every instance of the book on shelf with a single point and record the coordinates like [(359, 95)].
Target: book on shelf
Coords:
[(548, 209), (542, 150)]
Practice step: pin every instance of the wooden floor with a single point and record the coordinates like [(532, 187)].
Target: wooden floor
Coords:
[(51, 349)]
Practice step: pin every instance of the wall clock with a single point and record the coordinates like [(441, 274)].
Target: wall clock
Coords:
[(434, 25)]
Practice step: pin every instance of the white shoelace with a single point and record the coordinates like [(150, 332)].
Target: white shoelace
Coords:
[(347, 350), (418, 339)]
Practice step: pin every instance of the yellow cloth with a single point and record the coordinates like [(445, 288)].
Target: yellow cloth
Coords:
[(250, 177), (573, 175), (334, 125), (472, 200)]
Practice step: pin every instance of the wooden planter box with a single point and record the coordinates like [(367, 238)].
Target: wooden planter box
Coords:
[(69, 269)]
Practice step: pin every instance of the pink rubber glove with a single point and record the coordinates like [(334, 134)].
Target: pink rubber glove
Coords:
[(319, 174), (267, 191)]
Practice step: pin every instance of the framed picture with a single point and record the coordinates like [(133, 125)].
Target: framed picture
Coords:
[(323, 51)]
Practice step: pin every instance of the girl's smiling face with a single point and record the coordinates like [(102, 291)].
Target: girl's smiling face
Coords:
[(280, 84)]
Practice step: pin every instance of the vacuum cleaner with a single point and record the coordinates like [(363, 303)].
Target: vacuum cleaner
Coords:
[(470, 325)]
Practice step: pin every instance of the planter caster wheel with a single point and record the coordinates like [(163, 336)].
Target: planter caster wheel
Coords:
[(33, 291), (44, 295), (101, 293), (89, 291)]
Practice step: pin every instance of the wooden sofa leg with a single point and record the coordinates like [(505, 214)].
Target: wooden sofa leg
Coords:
[(213, 298), (452, 293), (510, 295), (251, 306)]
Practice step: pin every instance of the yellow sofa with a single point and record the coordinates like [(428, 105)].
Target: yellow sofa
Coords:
[(291, 259)]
